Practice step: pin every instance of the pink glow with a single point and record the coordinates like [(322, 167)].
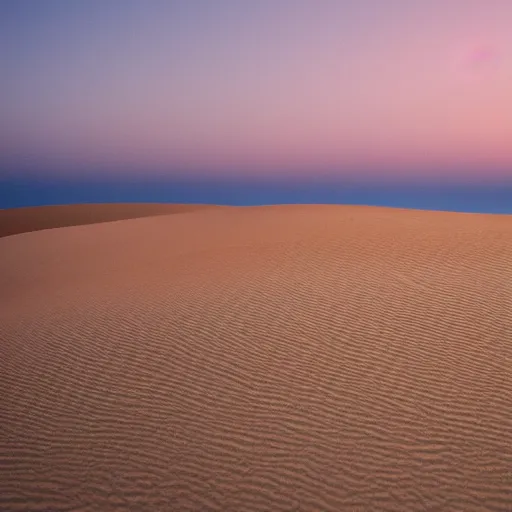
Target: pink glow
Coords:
[(405, 88)]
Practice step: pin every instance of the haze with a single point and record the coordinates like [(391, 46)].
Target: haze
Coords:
[(398, 87)]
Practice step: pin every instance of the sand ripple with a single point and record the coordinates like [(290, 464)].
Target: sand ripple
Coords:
[(275, 358)]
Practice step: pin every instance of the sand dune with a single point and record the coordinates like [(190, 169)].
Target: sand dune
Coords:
[(22, 220), (313, 358)]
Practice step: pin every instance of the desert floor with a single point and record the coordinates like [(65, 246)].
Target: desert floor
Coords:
[(312, 358)]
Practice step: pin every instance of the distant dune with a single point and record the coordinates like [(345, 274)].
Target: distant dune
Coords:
[(21, 220), (312, 358)]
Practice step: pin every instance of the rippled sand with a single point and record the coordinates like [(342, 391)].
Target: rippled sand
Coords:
[(313, 358)]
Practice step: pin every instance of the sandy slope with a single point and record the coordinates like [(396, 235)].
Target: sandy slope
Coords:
[(272, 358), (21, 220)]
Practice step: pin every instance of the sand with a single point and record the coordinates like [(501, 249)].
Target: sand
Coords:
[(21, 220), (312, 358)]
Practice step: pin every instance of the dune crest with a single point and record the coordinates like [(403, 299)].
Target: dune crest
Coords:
[(34, 218), (270, 358)]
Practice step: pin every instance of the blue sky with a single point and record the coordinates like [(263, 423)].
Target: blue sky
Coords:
[(455, 197)]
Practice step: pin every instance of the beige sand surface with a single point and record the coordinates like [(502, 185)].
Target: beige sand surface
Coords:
[(313, 358), (21, 220)]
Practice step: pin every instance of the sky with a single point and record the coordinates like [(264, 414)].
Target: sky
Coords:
[(346, 93)]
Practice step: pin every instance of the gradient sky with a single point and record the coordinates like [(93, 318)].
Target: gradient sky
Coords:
[(364, 89)]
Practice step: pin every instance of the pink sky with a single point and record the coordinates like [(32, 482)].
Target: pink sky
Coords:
[(402, 88)]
